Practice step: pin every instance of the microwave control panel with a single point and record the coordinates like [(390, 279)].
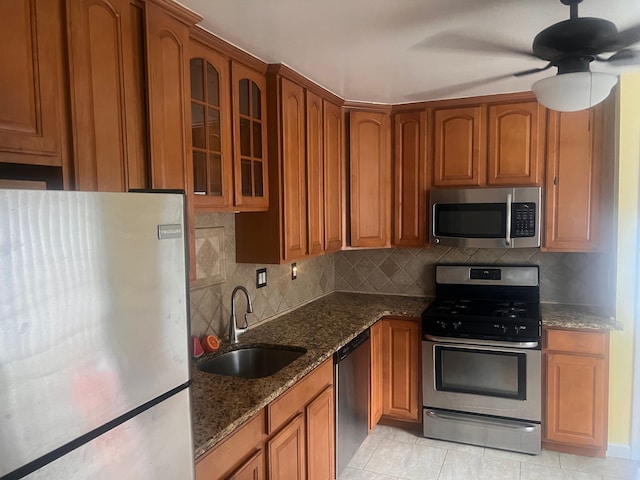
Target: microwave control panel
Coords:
[(523, 219)]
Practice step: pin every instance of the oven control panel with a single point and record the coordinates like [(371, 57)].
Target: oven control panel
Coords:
[(482, 329)]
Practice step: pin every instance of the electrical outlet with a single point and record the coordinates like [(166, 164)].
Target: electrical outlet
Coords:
[(261, 277), (294, 271)]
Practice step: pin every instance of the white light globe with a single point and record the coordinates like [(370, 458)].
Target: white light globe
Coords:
[(569, 92)]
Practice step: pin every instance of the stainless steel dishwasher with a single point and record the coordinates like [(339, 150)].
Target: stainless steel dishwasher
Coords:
[(352, 398)]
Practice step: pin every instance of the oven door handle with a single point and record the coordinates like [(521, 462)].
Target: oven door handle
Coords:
[(482, 343), (494, 422), (507, 238)]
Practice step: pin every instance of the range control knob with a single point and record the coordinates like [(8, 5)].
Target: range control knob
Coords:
[(456, 325), (442, 324), (501, 327), (520, 328)]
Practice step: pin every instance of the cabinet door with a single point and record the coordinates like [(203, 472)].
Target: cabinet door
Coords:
[(370, 179), (400, 369), (333, 177), (286, 452), (315, 174), (210, 128), (294, 188), (573, 179), (249, 109), (169, 130), (252, 469), (516, 144), (459, 146), (106, 66), (321, 451), (375, 389), (576, 400), (32, 103), (409, 199), (236, 453)]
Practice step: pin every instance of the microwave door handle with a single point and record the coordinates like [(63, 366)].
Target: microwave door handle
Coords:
[(507, 238)]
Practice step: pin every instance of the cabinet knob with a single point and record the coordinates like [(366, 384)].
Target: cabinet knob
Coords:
[(555, 181)]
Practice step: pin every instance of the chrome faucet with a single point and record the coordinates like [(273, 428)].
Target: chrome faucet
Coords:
[(234, 330)]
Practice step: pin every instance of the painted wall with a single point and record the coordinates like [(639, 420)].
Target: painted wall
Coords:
[(621, 359)]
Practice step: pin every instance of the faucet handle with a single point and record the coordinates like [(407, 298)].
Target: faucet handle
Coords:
[(246, 323)]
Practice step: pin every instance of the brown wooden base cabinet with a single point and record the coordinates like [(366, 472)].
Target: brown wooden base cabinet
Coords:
[(395, 371), (375, 385), (400, 369), (292, 438), (576, 365)]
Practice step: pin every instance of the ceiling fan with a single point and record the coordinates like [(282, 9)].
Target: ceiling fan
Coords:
[(570, 46)]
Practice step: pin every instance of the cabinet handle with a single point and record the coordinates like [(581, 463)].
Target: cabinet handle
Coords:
[(555, 181)]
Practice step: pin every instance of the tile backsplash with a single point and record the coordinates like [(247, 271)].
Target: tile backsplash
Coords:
[(211, 295), (575, 278)]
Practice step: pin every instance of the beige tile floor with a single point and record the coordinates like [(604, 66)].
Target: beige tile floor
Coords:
[(394, 454)]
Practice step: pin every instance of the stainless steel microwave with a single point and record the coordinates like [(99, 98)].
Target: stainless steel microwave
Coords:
[(486, 217)]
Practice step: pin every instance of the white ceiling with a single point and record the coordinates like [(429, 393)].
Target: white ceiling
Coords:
[(395, 51)]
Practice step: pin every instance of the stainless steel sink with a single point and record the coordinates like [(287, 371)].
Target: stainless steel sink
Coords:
[(252, 362)]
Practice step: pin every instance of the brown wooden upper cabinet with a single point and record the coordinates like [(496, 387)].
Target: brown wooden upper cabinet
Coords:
[(293, 170), (294, 225), (579, 179), (315, 174), (516, 144), (249, 103), (210, 128), (488, 144), (167, 42), (108, 103), (33, 115), (370, 178), (333, 177), (458, 143), (410, 186)]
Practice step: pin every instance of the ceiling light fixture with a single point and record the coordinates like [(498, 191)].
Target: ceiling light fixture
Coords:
[(569, 92)]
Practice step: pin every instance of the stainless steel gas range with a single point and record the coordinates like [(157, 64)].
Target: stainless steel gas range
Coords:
[(481, 355)]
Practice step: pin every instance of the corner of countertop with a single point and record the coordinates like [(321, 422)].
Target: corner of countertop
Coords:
[(578, 316)]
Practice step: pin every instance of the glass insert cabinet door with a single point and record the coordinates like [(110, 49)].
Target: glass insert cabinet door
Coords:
[(250, 149), (210, 131)]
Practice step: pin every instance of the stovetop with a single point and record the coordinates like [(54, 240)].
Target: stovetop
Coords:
[(491, 303)]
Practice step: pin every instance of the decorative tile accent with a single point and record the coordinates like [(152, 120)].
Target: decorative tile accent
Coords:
[(210, 256)]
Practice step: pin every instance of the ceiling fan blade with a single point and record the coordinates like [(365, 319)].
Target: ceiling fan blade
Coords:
[(624, 58), (533, 70), (625, 38), (449, 90), (456, 41), (428, 14)]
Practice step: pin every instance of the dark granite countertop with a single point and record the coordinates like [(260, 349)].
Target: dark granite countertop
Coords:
[(577, 316), (220, 404)]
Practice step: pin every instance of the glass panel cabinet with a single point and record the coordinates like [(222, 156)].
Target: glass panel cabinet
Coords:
[(249, 107), (210, 129)]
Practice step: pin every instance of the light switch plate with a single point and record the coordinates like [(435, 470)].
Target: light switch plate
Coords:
[(261, 277)]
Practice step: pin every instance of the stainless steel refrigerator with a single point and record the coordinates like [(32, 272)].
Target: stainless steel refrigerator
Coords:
[(94, 336)]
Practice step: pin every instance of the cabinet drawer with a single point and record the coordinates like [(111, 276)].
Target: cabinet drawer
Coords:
[(576, 341), (291, 402), (229, 453)]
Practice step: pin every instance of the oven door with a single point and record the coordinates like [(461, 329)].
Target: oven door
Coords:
[(485, 379)]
